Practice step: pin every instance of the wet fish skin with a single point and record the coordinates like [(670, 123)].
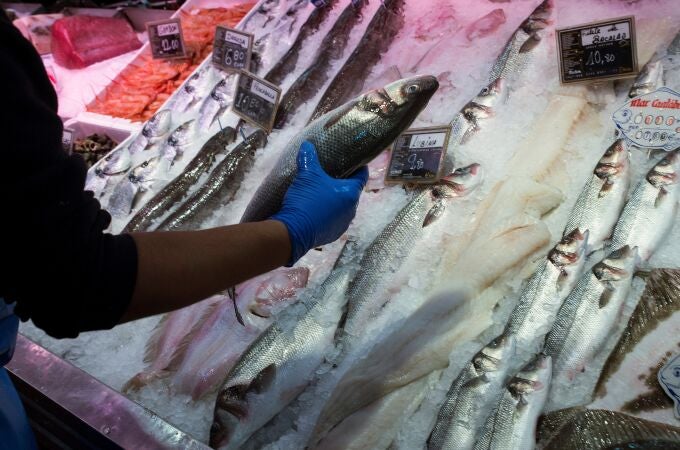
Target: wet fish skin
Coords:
[(513, 424), (599, 204), (113, 166), (217, 102), (219, 189), (189, 94), (651, 209), (177, 189), (587, 316), (346, 138), (470, 119), (471, 397), (152, 131), (649, 79), (176, 143), (127, 194)]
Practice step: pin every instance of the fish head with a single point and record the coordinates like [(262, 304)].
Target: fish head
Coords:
[(283, 284), (461, 182), (144, 171), (182, 134), (540, 18), (570, 250), (618, 265), (116, 162), (484, 104), (665, 172), (533, 377), (490, 357), (615, 160), (669, 377), (222, 90), (649, 79), (158, 125)]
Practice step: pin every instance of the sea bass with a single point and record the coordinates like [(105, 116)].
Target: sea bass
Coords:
[(472, 395), (346, 138), (219, 189), (128, 193), (470, 119), (600, 203), (513, 424), (153, 131), (175, 191), (587, 316), (649, 79), (650, 212)]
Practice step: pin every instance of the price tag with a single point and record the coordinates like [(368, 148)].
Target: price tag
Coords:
[(596, 51), (651, 120), (232, 49), (417, 155), (166, 39), (256, 100), (67, 140)]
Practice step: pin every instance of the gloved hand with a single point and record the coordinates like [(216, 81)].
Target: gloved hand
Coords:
[(318, 208)]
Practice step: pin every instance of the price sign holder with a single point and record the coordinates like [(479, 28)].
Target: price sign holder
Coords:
[(256, 100), (166, 39), (232, 49), (417, 155), (67, 140), (597, 51)]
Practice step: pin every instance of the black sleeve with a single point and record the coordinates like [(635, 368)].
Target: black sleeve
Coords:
[(58, 265)]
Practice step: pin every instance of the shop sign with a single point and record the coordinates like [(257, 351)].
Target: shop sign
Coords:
[(256, 100), (417, 156), (232, 49), (166, 39)]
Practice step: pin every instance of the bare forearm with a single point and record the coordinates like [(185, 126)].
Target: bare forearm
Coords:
[(176, 269)]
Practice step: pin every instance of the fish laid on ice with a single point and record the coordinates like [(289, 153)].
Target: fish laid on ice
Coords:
[(112, 167), (216, 102), (513, 423), (127, 194), (651, 209), (190, 92), (175, 191), (648, 80), (588, 315), (346, 138), (153, 131), (600, 203), (469, 120), (177, 142), (219, 189), (486, 25), (472, 396)]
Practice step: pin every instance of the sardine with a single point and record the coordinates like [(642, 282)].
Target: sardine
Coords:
[(544, 292), (190, 92), (513, 423), (128, 193), (217, 102), (178, 188), (219, 189), (517, 52), (598, 429), (649, 79), (379, 35), (346, 138), (152, 131), (177, 142), (588, 315), (113, 167), (472, 396), (660, 299), (650, 212), (600, 203), (470, 119)]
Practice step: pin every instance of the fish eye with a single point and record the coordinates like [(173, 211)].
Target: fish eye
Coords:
[(485, 91), (412, 89), (676, 372)]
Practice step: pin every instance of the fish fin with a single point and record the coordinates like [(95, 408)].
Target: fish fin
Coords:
[(264, 379), (605, 189), (606, 297), (151, 350), (434, 213), (659, 198), (142, 379)]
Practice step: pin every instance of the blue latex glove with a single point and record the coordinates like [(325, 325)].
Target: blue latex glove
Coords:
[(318, 208)]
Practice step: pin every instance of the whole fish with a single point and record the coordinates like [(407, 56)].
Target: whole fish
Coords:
[(128, 193), (331, 48), (153, 131), (385, 255), (542, 296), (346, 138), (513, 424), (379, 35), (600, 203), (281, 362), (112, 167), (472, 396), (178, 188), (589, 313), (190, 92), (651, 209), (469, 119), (599, 429), (517, 52), (177, 142), (648, 80), (217, 102), (219, 189)]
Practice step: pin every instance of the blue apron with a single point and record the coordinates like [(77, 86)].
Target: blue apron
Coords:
[(15, 434)]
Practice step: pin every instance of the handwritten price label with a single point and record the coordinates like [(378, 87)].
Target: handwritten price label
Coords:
[(417, 156), (232, 49), (166, 39), (256, 100)]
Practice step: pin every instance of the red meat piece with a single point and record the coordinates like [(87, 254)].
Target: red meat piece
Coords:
[(79, 41)]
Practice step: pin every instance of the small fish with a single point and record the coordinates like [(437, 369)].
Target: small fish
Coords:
[(189, 94), (152, 132), (470, 119), (217, 102), (486, 25), (589, 313), (513, 424), (600, 203), (472, 396), (127, 194), (178, 141), (651, 209), (112, 167), (649, 79)]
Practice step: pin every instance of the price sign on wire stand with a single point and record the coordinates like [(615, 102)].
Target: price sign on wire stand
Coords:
[(232, 49), (417, 155), (166, 39), (597, 51), (67, 140), (256, 100)]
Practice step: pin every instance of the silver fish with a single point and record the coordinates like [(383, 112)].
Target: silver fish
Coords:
[(281, 362), (217, 102), (153, 131), (113, 166), (513, 424), (542, 296), (472, 396), (649, 79), (178, 141), (517, 52), (650, 212), (589, 313), (189, 94), (179, 187), (346, 138), (469, 120), (600, 203), (127, 194)]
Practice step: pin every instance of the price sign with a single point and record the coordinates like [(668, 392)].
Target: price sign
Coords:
[(596, 51), (256, 100), (67, 140), (417, 155), (166, 39), (232, 49)]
